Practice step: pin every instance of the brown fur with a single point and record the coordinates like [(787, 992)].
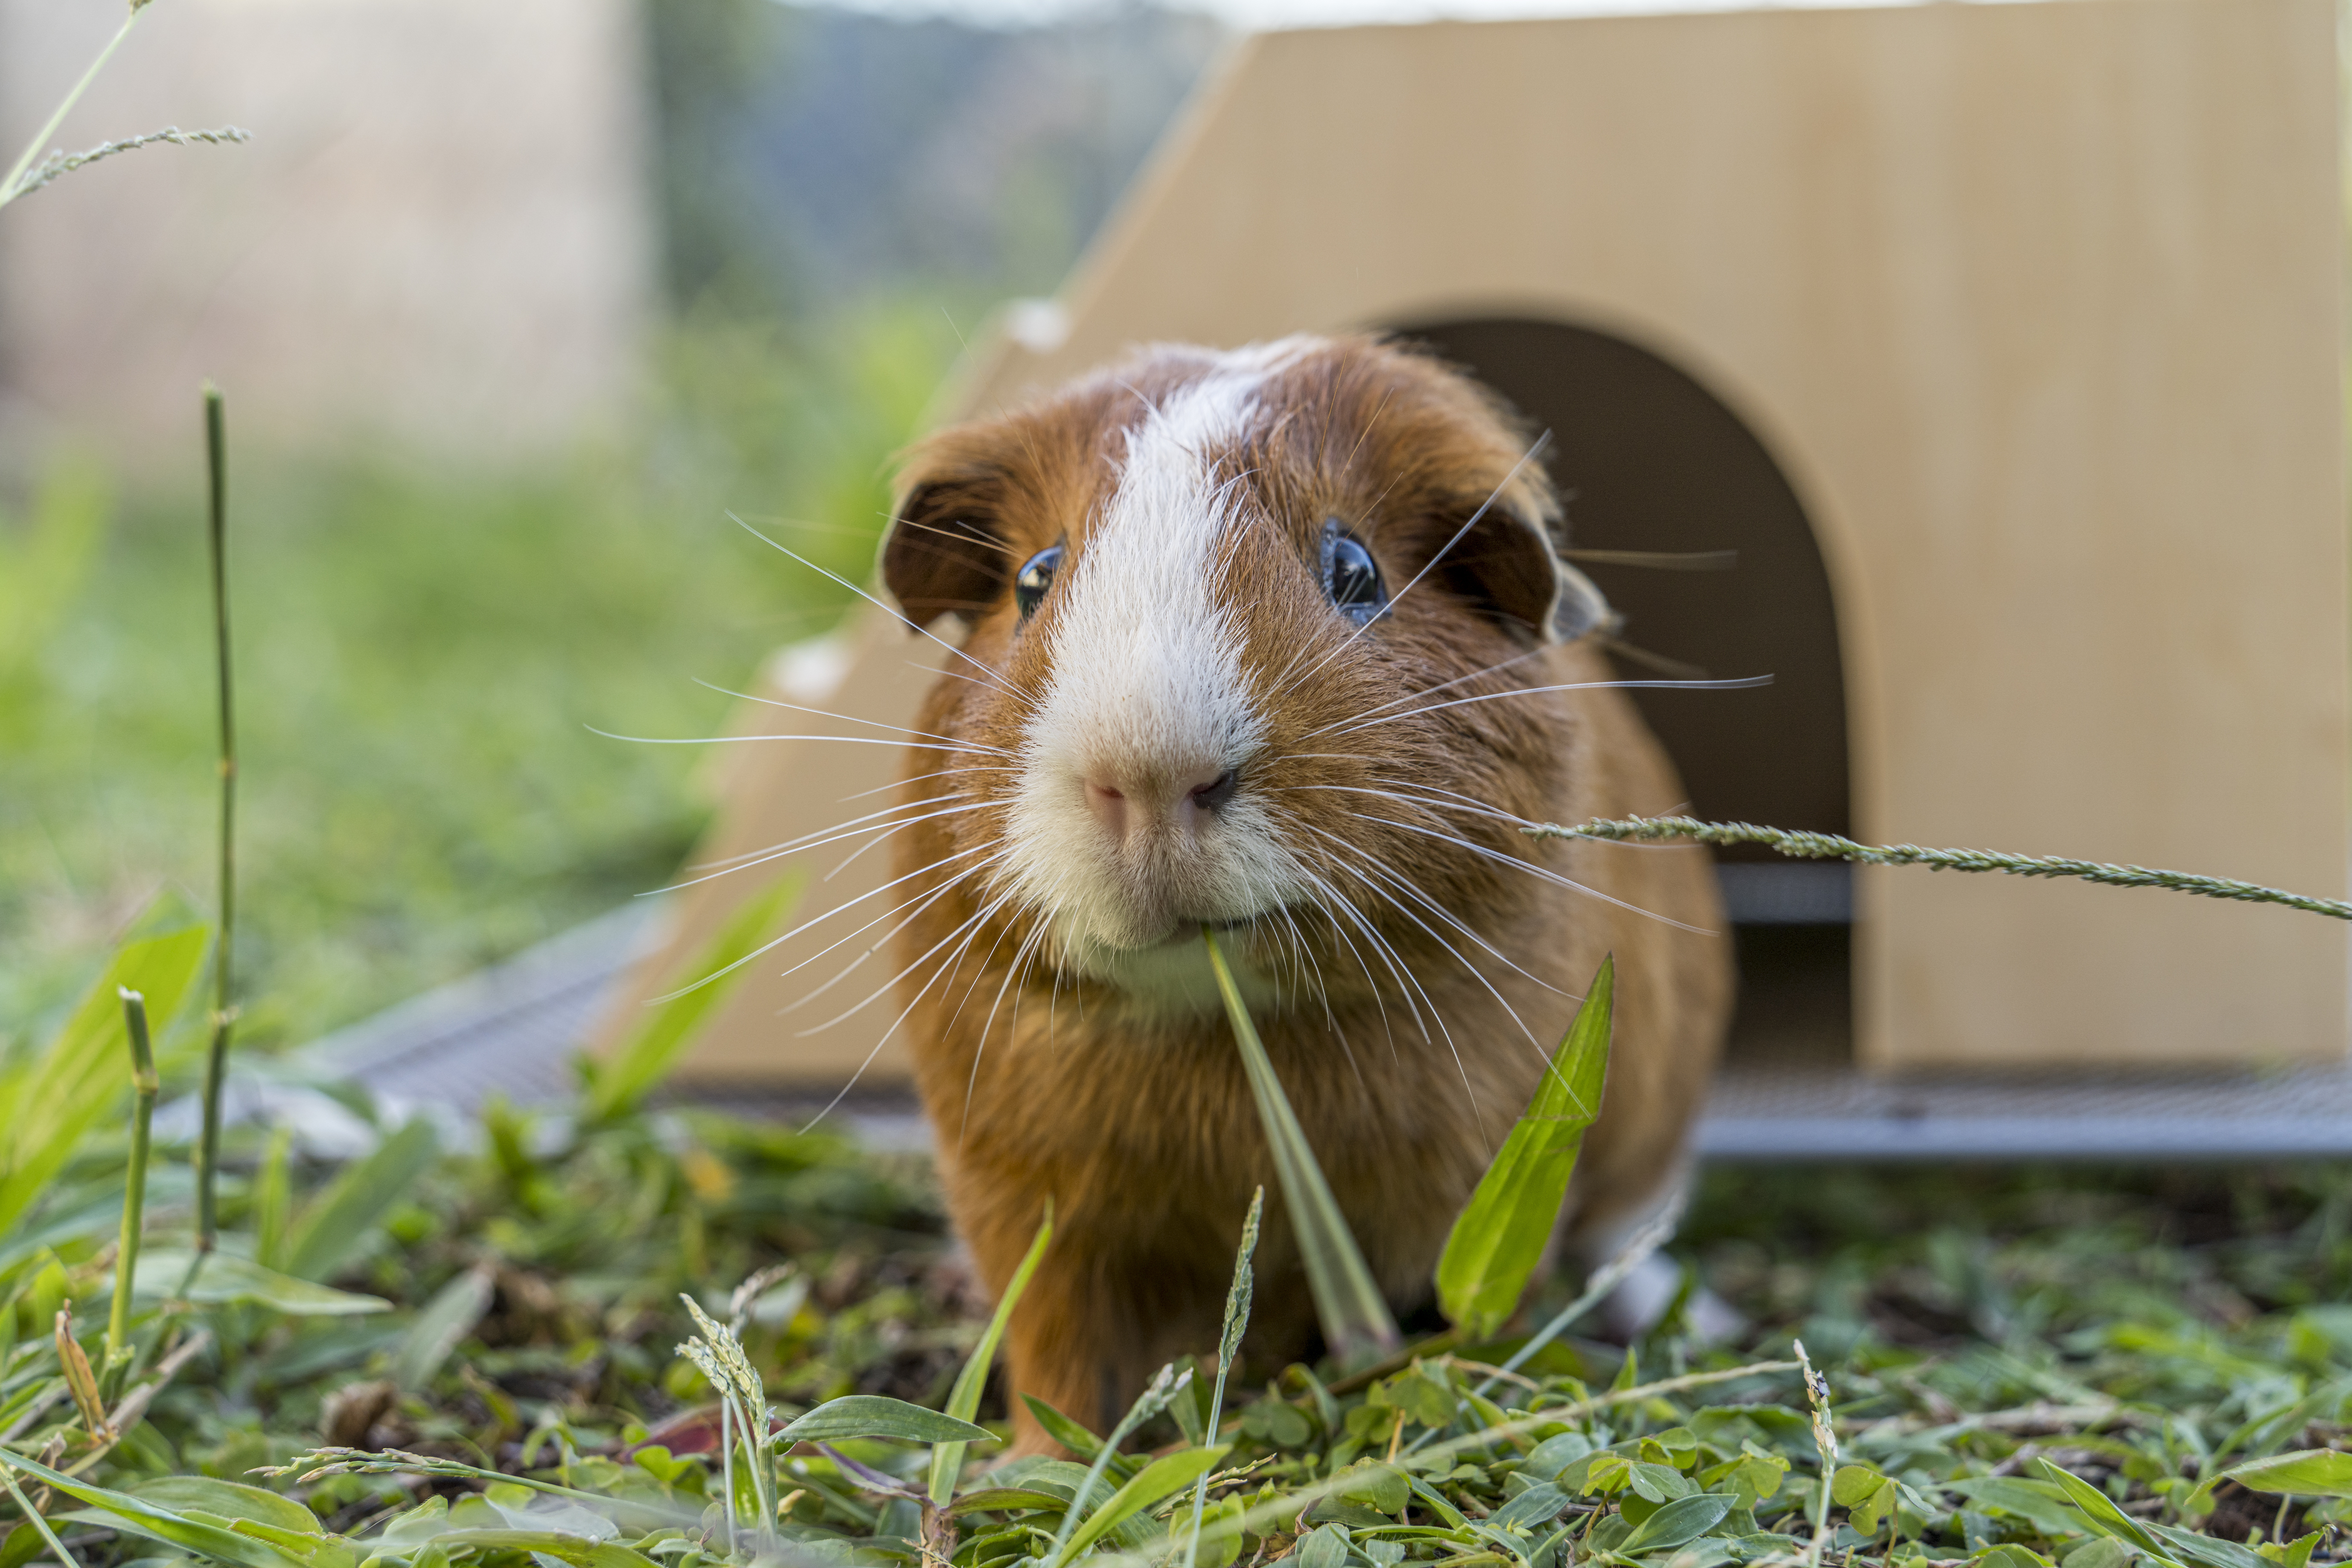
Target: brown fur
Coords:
[(1137, 1125)]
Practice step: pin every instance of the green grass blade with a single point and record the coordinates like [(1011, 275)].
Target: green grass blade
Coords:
[(144, 1085), (157, 1523), (621, 1081), (40, 1527), (230, 1500), (1068, 1433), (2104, 1517), (878, 1416), (1679, 1522), (163, 1273), (343, 1219), (224, 955), (438, 1330), (15, 184), (2307, 1472), (1501, 1234), (1354, 1314), (964, 1400), (1162, 1478), (47, 1107), (577, 1551)]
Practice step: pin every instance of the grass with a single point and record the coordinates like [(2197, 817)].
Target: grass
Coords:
[(2144, 1331)]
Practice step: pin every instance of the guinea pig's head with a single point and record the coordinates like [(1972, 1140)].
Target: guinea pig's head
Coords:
[(1251, 639)]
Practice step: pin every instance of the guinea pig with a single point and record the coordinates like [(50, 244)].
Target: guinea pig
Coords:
[(1279, 641)]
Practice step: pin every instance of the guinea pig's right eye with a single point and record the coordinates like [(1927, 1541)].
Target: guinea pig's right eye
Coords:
[(1036, 576), (1352, 578)]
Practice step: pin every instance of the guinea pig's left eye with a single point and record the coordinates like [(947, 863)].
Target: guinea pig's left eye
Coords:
[(1036, 575), (1352, 578)]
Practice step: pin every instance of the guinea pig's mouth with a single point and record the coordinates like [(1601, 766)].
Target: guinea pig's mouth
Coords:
[(1168, 973), (1187, 930), (1179, 931)]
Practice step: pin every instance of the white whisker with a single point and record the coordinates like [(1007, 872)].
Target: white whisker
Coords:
[(806, 925), (848, 825), (921, 631), (739, 739), (1406, 976), (1426, 691), (1026, 702), (1547, 874), (919, 778), (918, 905), (1325, 891), (948, 741), (1398, 879), (794, 847), (974, 919), (868, 1062), (1011, 975), (1743, 683)]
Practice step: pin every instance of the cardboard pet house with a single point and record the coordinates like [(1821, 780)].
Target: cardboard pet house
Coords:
[(2002, 343)]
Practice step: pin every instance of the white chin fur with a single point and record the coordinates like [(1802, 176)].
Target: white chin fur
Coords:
[(1170, 979), (1147, 680)]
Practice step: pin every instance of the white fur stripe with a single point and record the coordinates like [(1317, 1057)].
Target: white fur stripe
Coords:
[(1148, 679)]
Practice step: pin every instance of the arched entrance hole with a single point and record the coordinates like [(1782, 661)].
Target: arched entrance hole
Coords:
[(1648, 459)]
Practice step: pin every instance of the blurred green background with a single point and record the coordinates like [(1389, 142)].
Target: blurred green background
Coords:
[(421, 646)]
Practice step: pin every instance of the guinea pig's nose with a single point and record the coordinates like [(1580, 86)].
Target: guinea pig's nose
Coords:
[(1216, 791), (1108, 803), (1128, 808)]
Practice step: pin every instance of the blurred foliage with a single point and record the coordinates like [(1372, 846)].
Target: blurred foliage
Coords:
[(811, 155), (45, 560), (1886, 1259), (707, 60), (424, 648), (421, 653)]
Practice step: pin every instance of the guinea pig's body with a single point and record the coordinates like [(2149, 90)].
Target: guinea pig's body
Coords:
[(1305, 661)]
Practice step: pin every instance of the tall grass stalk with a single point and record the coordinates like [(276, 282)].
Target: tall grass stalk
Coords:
[(1817, 1395), (727, 1470), (1354, 1314), (1831, 846), (744, 1416), (964, 1400), (58, 164), (1164, 1386), (1229, 1344), (14, 185), (144, 1084), (224, 1008)]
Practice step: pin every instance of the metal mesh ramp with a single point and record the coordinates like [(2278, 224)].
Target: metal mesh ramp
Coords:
[(1785, 1094)]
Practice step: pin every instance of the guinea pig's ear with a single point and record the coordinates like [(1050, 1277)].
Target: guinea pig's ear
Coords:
[(942, 555), (1509, 565)]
